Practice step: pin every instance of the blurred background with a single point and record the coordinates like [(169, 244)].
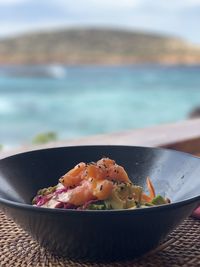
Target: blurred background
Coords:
[(74, 68)]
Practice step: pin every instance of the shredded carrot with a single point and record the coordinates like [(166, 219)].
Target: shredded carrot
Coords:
[(146, 198), (151, 188)]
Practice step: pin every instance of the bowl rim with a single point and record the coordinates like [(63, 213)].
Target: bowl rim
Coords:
[(10, 203)]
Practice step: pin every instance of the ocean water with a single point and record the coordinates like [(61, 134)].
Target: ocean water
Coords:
[(80, 101)]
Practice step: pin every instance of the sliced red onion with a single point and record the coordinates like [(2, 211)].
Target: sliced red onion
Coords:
[(41, 200), (59, 191)]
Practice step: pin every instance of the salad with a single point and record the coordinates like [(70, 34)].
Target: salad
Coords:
[(101, 185)]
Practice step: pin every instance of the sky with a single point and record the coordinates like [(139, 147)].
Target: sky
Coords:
[(171, 17)]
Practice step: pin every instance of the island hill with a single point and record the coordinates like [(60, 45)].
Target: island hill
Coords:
[(96, 46)]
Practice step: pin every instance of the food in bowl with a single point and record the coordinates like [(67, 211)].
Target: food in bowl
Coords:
[(101, 185), (104, 235)]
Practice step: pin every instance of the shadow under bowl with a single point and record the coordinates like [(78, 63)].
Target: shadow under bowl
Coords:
[(100, 235)]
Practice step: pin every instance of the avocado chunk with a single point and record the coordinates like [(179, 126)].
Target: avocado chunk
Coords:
[(124, 196), (100, 205), (115, 202), (158, 200)]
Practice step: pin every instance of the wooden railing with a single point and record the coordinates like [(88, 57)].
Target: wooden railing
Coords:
[(183, 136)]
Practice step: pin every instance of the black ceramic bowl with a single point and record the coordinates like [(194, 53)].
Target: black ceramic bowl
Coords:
[(100, 235)]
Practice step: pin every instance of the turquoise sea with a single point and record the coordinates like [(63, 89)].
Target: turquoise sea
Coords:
[(80, 101)]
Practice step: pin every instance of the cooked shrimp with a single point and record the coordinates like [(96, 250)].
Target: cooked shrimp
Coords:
[(117, 173), (113, 171), (79, 195), (106, 162), (88, 190), (103, 189), (95, 172), (74, 176)]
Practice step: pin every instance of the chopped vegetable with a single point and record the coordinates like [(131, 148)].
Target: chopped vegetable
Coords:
[(158, 200), (99, 205)]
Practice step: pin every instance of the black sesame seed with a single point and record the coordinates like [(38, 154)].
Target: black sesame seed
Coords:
[(101, 187)]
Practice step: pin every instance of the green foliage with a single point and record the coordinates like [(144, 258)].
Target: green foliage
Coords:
[(44, 138)]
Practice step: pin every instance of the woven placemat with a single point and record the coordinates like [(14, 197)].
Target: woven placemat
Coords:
[(181, 248)]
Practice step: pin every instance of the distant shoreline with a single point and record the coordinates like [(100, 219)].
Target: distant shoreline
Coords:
[(9, 65), (102, 47)]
